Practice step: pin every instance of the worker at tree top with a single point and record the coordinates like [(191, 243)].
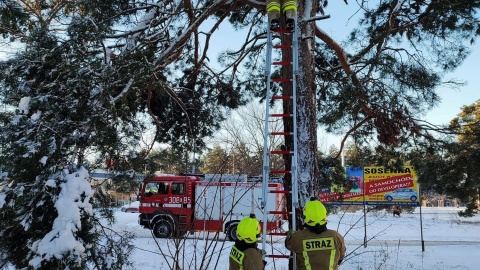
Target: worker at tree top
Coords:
[(316, 247), (244, 254), (287, 7)]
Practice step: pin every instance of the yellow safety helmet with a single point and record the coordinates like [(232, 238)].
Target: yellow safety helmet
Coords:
[(248, 229), (315, 213)]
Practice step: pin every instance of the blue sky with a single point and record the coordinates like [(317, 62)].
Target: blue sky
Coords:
[(451, 99), (338, 26), (454, 99)]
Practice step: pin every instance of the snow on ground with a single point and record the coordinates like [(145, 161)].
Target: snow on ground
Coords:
[(450, 242)]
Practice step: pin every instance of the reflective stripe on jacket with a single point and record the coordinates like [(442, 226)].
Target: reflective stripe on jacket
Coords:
[(274, 5), (249, 259), (289, 5), (237, 256), (317, 251)]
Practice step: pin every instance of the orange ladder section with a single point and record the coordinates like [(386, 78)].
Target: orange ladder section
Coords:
[(267, 153)]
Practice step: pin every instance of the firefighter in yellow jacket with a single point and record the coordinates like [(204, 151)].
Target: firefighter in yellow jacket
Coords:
[(244, 254), (316, 247), (287, 7)]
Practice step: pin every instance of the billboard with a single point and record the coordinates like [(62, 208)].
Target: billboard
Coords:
[(375, 186), (391, 186), (351, 194)]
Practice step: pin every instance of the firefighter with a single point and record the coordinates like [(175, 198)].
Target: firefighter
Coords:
[(316, 247), (288, 8), (244, 254)]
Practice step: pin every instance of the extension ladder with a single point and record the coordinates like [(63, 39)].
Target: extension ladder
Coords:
[(292, 153)]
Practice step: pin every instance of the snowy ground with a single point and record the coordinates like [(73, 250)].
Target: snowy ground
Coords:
[(450, 242)]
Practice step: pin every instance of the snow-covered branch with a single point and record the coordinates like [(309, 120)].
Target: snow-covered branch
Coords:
[(124, 91)]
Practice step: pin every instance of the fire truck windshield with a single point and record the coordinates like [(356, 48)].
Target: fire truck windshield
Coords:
[(152, 188)]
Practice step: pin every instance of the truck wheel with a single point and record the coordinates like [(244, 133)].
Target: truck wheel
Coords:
[(163, 229), (232, 232)]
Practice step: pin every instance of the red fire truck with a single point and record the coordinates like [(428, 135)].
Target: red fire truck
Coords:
[(172, 205)]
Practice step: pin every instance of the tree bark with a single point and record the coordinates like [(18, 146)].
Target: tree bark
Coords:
[(307, 168), (306, 105)]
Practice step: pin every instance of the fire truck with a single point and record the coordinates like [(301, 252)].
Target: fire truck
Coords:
[(172, 205)]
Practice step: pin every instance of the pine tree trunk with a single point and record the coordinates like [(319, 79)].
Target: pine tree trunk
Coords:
[(307, 168), (306, 106), (287, 72)]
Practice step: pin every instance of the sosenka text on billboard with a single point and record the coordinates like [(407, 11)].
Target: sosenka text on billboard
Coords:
[(375, 170)]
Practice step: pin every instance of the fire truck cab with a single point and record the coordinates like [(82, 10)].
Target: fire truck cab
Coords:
[(172, 205)]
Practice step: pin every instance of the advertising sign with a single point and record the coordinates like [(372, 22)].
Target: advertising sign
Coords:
[(351, 194), (374, 186), (391, 186)]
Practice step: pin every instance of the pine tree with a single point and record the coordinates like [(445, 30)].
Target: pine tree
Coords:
[(451, 168), (215, 161), (61, 106), (85, 70)]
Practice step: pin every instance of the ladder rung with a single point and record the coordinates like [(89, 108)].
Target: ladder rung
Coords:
[(280, 152), (282, 46), (281, 80), (277, 256), (278, 233), (282, 31), (279, 212), (281, 133), (280, 171), (281, 63), (281, 115), (282, 97)]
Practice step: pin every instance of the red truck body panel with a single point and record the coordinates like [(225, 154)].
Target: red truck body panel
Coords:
[(198, 205)]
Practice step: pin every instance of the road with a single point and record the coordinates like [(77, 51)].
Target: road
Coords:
[(379, 242)]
